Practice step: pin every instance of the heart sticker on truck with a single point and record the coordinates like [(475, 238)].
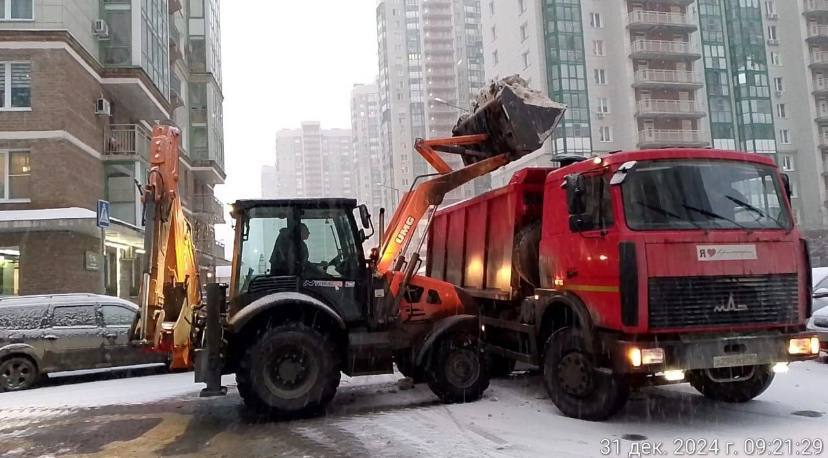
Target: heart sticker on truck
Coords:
[(725, 252)]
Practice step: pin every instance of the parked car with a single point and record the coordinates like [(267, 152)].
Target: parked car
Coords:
[(65, 332), (819, 284)]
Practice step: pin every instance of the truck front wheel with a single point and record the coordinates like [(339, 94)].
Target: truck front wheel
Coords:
[(573, 382), (456, 372), (289, 371), (736, 384)]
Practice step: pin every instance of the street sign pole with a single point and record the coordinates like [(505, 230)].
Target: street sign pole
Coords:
[(102, 221)]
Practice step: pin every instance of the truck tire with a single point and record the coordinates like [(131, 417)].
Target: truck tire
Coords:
[(738, 391), (456, 371), (406, 367), (290, 371), (18, 372), (500, 366), (574, 384)]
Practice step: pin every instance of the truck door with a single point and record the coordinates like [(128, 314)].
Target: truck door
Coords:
[(332, 264), (590, 261)]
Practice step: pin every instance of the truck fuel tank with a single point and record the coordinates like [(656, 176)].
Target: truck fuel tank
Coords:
[(516, 119)]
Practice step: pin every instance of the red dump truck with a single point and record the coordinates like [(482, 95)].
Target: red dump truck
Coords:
[(636, 268)]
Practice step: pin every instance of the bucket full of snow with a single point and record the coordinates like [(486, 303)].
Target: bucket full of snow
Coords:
[(516, 119)]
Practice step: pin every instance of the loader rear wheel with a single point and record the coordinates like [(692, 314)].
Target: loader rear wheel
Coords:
[(289, 371), (457, 372), (734, 384), (573, 382)]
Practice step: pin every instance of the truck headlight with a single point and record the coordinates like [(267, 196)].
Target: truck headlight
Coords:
[(639, 356), (803, 346)]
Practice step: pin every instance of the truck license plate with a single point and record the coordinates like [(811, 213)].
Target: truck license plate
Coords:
[(746, 359)]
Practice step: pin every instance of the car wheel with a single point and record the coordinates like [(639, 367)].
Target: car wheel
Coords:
[(18, 373)]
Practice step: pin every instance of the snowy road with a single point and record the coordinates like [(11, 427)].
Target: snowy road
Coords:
[(162, 415)]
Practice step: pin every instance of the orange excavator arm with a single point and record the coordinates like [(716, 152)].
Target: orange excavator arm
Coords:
[(429, 194), (170, 287)]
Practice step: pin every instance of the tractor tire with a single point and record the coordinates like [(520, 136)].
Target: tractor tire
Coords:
[(456, 370), (500, 366), (404, 363), (737, 391), (18, 372), (290, 371), (576, 388)]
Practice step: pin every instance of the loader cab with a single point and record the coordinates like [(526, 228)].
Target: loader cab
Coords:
[(309, 246)]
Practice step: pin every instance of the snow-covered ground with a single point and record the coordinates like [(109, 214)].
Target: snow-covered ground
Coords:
[(162, 415)]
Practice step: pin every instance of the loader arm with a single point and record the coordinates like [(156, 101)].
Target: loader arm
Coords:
[(170, 287), (429, 193)]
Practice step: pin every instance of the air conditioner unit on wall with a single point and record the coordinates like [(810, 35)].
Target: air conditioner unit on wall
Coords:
[(100, 29), (103, 107)]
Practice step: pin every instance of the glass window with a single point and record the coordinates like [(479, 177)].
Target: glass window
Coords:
[(22, 317), (196, 8), (15, 84), (267, 246), (703, 194), (75, 315), (597, 203), (21, 9), (115, 315), (19, 175), (330, 245)]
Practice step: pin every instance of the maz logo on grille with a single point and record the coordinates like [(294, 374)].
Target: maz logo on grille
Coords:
[(730, 306)]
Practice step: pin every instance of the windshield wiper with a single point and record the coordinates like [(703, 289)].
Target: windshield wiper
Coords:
[(750, 207), (714, 215), (666, 212)]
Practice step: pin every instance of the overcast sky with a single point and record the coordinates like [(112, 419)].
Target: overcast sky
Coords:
[(285, 62)]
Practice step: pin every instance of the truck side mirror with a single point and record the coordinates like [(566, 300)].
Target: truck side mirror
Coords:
[(575, 190), (364, 216), (786, 181), (580, 223)]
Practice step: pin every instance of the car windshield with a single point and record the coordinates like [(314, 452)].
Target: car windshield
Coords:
[(703, 194)]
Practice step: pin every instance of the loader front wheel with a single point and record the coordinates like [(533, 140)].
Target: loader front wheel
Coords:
[(290, 371), (457, 371)]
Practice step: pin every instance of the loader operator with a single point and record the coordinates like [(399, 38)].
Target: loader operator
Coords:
[(284, 254)]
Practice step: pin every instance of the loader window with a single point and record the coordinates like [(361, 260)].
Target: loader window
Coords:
[(330, 245), (268, 248)]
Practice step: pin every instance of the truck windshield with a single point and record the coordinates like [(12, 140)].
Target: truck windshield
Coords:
[(703, 194)]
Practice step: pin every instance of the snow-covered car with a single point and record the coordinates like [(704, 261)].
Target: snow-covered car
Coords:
[(819, 285), (65, 332), (819, 323)]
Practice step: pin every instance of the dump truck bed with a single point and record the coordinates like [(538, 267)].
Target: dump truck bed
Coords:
[(471, 243)]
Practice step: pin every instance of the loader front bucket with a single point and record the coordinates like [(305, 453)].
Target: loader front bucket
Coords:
[(516, 119)]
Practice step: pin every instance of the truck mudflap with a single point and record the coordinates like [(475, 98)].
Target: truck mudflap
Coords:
[(704, 352)]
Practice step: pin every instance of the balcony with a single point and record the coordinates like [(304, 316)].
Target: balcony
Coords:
[(218, 250), (818, 34), (640, 20), (815, 8), (819, 60), (669, 2), (126, 142), (673, 108), (655, 138), (656, 49), (206, 166), (821, 117), (677, 79), (209, 206)]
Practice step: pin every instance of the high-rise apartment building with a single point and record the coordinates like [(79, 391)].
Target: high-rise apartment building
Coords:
[(83, 81), (368, 158), (746, 75), (430, 63), (311, 162)]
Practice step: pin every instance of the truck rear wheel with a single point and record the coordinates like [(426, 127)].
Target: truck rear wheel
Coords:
[(736, 384), (573, 382), (289, 371), (456, 372)]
